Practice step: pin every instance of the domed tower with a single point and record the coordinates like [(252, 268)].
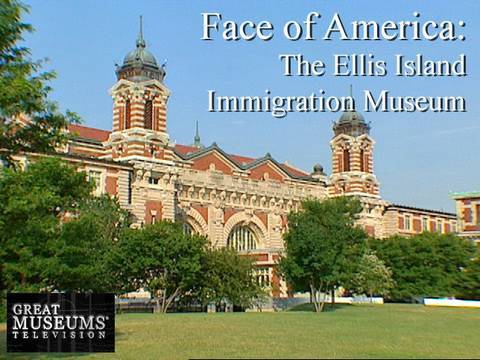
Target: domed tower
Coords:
[(140, 64), (139, 107), (352, 157)]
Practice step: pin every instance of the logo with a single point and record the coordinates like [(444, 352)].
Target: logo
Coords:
[(60, 322)]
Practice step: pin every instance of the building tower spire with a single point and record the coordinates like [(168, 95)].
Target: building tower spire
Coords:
[(351, 96), (196, 140), (140, 40)]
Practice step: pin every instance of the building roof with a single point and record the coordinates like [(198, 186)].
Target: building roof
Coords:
[(89, 133), (351, 122), (411, 208), (188, 151), (466, 195), (243, 162), (185, 149), (293, 170)]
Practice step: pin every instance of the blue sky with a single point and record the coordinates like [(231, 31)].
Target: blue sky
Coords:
[(419, 157)]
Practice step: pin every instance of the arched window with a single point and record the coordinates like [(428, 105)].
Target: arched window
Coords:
[(127, 114), (242, 238), (148, 115), (346, 160)]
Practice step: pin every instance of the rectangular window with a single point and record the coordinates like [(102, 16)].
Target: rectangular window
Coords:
[(439, 225), (153, 180), (425, 224), (148, 114), (129, 195), (408, 222), (127, 114), (467, 215), (454, 227), (362, 160), (263, 276), (366, 162), (346, 160), (96, 178), (478, 214)]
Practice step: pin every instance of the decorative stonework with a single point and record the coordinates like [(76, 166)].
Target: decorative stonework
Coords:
[(133, 135), (185, 213), (352, 166)]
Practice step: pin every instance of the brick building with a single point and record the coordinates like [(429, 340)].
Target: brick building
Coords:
[(235, 200), (468, 211)]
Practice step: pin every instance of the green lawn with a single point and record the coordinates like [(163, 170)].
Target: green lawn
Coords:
[(366, 331)]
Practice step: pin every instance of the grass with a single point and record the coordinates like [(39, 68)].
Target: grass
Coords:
[(366, 331)]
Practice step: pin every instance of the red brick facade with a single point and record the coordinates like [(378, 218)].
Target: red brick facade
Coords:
[(264, 172), (212, 162), (111, 185), (153, 211)]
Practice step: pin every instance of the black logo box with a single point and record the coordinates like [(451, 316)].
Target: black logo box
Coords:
[(77, 305)]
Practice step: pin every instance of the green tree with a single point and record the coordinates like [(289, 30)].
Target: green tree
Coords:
[(33, 203), (24, 92), (159, 258), (428, 264), (372, 277), (84, 245), (470, 282), (228, 276), (322, 246), (54, 234)]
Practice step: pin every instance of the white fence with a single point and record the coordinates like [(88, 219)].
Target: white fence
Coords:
[(355, 300), (452, 303)]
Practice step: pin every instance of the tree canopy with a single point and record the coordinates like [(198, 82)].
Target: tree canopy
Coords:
[(428, 264), (84, 245), (322, 246), (33, 203), (159, 258), (228, 276), (470, 285), (372, 276)]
